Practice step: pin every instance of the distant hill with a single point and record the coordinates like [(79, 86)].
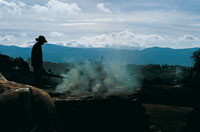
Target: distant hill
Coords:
[(155, 55)]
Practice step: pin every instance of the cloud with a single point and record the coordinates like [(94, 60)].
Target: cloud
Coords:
[(23, 35), (83, 22), (96, 24), (40, 9), (102, 7), (11, 7), (194, 25), (7, 38), (77, 24), (124, 39), (56, 6), (27, 44), (45, 19), (56, 34), (188, 37), (103, 20)]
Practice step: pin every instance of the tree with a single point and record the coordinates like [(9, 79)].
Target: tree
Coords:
[(6, 62), (196, 62), (21, 64), (195, 88)]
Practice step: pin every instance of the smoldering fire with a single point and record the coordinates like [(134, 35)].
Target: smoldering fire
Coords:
[(92, 77)]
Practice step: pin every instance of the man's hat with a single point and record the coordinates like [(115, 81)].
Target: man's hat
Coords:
[(41, 39)]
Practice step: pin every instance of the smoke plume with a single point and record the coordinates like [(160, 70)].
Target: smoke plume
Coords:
[(92, 77)]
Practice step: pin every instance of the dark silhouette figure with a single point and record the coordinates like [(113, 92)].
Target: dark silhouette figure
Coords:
[(37, 60)]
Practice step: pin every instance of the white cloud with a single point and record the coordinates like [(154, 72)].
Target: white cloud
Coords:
[(103, 20), (23, 35), (194, 25), (56, 6), (118, 40), (7, 38), (130, 40), (102, 7), (77, 24), (91, 24), (188, 37), (82, 22), (11, 7), (27, 44), (45, 19), (56, 34), (40, 9)]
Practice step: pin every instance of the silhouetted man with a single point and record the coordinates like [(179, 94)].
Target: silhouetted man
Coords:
[(37, 60)]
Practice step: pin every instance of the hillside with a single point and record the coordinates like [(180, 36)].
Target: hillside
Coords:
[(155, 55)]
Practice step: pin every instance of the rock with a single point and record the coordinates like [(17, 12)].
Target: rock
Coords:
[(2, 78), (25, 108)]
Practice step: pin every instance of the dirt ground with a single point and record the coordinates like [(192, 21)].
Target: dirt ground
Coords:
[(167, 118)]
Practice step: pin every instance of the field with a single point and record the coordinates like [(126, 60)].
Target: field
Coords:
[(167, 118)]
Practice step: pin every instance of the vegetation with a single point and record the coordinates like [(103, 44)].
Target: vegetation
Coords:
[(196, 62), (195, 76), (15, 69)]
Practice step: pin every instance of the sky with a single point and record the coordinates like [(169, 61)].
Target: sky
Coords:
[(130, 24)]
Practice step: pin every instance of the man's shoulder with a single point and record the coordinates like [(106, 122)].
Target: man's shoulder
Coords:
[(36, 46)]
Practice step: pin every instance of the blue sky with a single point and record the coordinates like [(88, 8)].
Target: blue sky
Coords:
[(130, 24)]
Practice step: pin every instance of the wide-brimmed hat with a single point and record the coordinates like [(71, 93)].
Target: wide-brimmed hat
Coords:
[(41, 39)]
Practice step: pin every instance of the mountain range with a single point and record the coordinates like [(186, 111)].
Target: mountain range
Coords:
[(154, 55)]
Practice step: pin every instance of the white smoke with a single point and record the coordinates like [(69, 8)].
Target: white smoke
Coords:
[(179, 74), (92, 77)]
